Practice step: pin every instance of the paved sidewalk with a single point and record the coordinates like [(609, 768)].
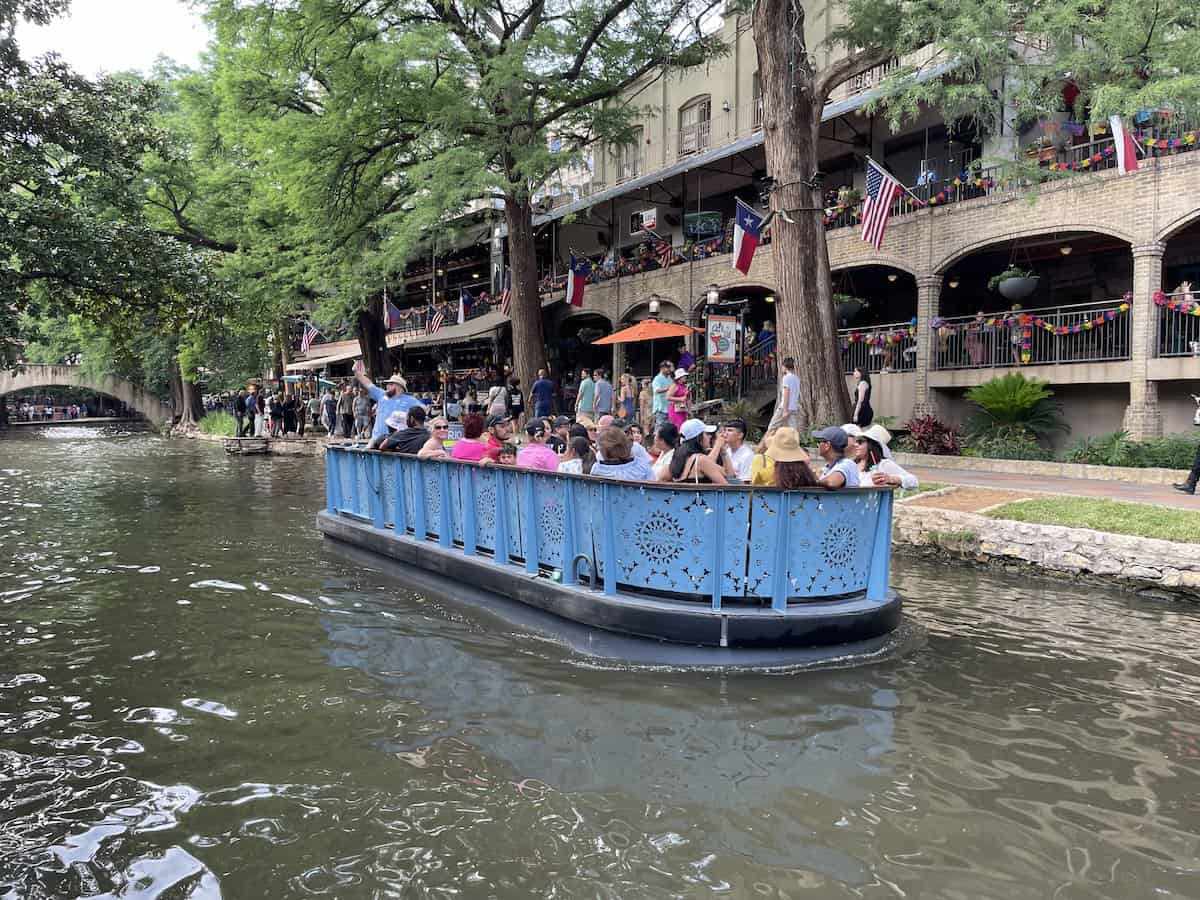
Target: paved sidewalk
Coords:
[(1156, 494)]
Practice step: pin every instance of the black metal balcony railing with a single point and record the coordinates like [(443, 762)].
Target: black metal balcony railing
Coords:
[(1178, 326), (880, 348), (1084, 332)]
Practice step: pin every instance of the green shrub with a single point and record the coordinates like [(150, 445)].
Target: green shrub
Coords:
[(1010, 402), (1010, 442), (1175, 451), (218, 422), (1113, 449)]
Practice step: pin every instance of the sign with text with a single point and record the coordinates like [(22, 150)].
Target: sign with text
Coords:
[(722, 339)]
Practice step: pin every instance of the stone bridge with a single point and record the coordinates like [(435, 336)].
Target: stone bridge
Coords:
[(31, 377)]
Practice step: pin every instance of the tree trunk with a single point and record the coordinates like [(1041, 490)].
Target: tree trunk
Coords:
[(189, 408), (283, 339), (804, 303), (3, 412), (372, 340), (176, 382), (529, 345)]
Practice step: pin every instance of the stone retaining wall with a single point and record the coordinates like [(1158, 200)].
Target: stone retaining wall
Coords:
[(1135, 562), (1044, 469)]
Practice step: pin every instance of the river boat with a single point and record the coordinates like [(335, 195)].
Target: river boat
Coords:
[(720, 566)]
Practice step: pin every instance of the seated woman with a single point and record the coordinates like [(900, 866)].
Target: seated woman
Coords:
[(469, 447), (875, 462), (666, 439), (435, 447), (690, 462), (789, 465), (617, 460), (577, 459)]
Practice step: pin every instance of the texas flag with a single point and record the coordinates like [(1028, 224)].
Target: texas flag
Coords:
[(393, 314), (1126, 149), (746, 229), (577, 277)]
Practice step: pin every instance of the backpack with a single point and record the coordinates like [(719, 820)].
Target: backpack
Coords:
[(498, 400)]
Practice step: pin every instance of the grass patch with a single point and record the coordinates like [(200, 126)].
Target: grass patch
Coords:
[(1138, 519), (221, 423)]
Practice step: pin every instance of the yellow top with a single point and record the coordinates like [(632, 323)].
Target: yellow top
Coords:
[(762, 470)]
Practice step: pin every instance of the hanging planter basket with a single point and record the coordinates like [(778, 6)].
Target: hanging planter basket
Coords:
[(1018, 288)]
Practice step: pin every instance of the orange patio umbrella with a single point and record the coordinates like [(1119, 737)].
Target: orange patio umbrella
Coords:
[(647, 330)]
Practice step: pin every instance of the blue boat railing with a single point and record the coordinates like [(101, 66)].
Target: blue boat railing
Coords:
[(730, 544)]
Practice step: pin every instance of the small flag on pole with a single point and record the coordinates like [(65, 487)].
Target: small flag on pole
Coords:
[(747, 231), (434, 323), (465, 302), (577, 276), (506, 294), (1127, 160), (882, 189), (393, 314), (307, 338)]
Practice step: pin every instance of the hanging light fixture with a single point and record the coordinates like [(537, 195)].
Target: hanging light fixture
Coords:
[(891, 276), (953, 281), (654, 305), (1065, 249), (713, 294), (770, 298)]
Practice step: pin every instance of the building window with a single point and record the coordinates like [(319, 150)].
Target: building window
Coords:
[(756, 103), (695, 119), (629, 157)]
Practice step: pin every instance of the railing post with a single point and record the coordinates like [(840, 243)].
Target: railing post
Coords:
[(401, 518), (333, 482), (719, 562), (779, 572), (470, 539), (500, 554), (375, 498), (881, 553), (609, 543), (421, 530), (567, 553), (446, 530), (530, 519)]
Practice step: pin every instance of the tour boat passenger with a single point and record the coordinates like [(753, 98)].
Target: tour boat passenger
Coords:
[(505, 456), (617, 459), (791, 467), (403, 439), (666, 439), (435, 447), (537, 454), (691, 462), (839, 472), (578, 458), (875, 465), (470, 447)]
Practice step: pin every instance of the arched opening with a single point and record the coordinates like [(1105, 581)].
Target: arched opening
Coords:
[(1046, 299), (44, 404), (574, 345), (1178, 330), (876, 309)]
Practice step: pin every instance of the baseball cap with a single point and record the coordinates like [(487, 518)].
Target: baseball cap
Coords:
[(535, 427), (693, 428), (496, 420), (834, 435), (560, 421)]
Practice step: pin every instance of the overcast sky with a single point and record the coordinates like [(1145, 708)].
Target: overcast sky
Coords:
[(115, 35)]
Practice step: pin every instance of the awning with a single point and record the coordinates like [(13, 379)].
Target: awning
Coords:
[(322, 361), (716, 154)]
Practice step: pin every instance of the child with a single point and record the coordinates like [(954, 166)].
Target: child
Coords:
[(508, 455)]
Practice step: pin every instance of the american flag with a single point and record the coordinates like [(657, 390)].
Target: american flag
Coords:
[(306, 339), (664, 252), (882, 189), (434, 323), (506, 295)]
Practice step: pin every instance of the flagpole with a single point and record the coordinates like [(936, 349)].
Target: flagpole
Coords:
[(906, 190)]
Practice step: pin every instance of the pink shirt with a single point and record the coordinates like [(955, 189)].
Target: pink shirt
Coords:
[(537, 456), (471, 451)]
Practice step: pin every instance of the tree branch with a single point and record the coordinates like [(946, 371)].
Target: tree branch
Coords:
[(841, 70)]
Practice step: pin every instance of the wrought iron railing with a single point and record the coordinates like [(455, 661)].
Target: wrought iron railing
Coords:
[(1178, 326), (694, 138), (1082, 332), (879, 348)]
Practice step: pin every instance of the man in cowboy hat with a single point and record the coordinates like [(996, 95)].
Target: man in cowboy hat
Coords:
[(393, 400)]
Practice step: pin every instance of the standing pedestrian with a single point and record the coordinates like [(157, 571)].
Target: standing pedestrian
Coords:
[(541, 395), (329, 412), (863, 414), (787, 406), (362, 413), (585, 404), (239, 411), (604, 394), (345, 411)]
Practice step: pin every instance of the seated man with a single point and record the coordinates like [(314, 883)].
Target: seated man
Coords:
[(839, 472), (616, 458), (410, 439)]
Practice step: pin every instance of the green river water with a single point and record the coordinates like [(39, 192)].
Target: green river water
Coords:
[(200, 699)]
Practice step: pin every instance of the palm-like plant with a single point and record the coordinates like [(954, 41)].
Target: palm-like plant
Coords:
[(1014, 401)]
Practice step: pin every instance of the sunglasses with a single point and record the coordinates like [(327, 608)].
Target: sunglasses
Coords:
[(441, 427)]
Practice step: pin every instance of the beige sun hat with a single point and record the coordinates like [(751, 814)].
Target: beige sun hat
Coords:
[(396, 379), (785, 447), (878, 434)]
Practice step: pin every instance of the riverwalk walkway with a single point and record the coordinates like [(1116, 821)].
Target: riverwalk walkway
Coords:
[(1154, 494)]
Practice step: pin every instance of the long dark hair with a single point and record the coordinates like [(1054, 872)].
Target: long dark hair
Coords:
[(864, 375), (684, 452), (792, 475), (874, 451)]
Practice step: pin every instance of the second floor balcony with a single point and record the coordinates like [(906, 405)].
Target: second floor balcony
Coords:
[(695, 138)]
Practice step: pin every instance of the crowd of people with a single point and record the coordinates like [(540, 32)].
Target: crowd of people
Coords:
[(46, 410), (599, 440)]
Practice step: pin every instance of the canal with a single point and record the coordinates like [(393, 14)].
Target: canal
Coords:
[(199, 699)]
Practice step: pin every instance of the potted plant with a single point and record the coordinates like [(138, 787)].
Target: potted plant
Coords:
[(1014, 283), (847, 307)]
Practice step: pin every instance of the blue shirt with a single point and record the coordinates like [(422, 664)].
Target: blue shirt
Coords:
[(587, 394), (637, 469), (660, 382), (385, 406), (848, 469), (543, 393), (604, 396)]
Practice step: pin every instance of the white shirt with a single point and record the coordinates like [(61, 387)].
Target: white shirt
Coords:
[(908, 481), (791, 382), (571, 467), (663, 463), (741, 458)]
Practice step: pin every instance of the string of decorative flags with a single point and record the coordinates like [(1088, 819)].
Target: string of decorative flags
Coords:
[(1185, 306), (1028, 322), (880, 338)]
